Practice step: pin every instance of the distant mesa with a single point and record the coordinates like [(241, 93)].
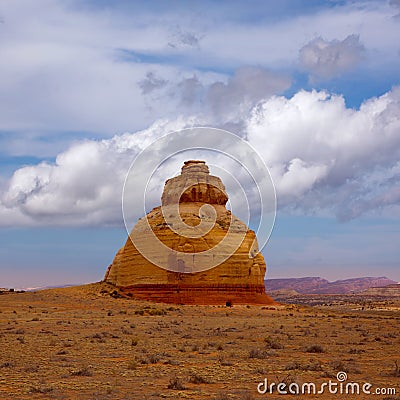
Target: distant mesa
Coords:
[(191, 249), (317, 285), (383, 291)]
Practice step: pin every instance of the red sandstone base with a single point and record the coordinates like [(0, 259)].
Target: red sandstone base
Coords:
[(201, 295)]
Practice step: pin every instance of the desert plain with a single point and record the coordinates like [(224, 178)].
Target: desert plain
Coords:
[(92, 342)]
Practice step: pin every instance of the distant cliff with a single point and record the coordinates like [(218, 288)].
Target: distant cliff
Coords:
[(317, 285), (386, 291)]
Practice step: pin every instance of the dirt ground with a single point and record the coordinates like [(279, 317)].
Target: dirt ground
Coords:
[(83, 343)]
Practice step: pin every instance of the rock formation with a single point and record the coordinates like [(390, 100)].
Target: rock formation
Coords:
[(191, 249)]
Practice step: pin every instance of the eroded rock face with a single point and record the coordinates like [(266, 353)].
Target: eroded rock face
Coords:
[(200, 186), (191, 250)]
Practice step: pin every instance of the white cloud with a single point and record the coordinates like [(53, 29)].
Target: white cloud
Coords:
[(328, 59), (299, 177), (84, 185), (63, 68), (67, 68), (323, 157)]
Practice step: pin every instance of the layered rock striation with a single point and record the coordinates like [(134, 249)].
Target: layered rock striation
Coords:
[(191, 249)]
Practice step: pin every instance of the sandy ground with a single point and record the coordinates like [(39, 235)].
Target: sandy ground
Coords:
[(82, 343)]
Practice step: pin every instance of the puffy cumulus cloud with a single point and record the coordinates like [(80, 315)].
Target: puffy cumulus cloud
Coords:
[(325, 156), (328, 59), (82, 187), (298, 177)]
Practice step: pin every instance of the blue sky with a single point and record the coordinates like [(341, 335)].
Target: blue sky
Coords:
[(312, 85)]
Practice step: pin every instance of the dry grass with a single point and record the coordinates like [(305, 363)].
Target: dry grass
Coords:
[(90, 343)]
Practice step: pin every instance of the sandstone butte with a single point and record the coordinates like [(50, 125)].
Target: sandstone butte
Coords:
[(187, 276)]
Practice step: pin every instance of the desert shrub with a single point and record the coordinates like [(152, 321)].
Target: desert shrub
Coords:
[(7, 364), (155, 311), (391, 398), (246, 396), (338, 366), (290, 379), (143, 360), (315, 348), (175, 383), (356, 351), (197, 379), (260, 371), (313, 365), (84, 371), (396, 370), (153, 358), (223, 361), (344, 366), (218, 332), (132, 364), (306, 332), (100, 337), (40, 389), (259, 353), (389, 335), (221, 396), (292, 365), (31, 368), (273, 343), (171, 362)]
